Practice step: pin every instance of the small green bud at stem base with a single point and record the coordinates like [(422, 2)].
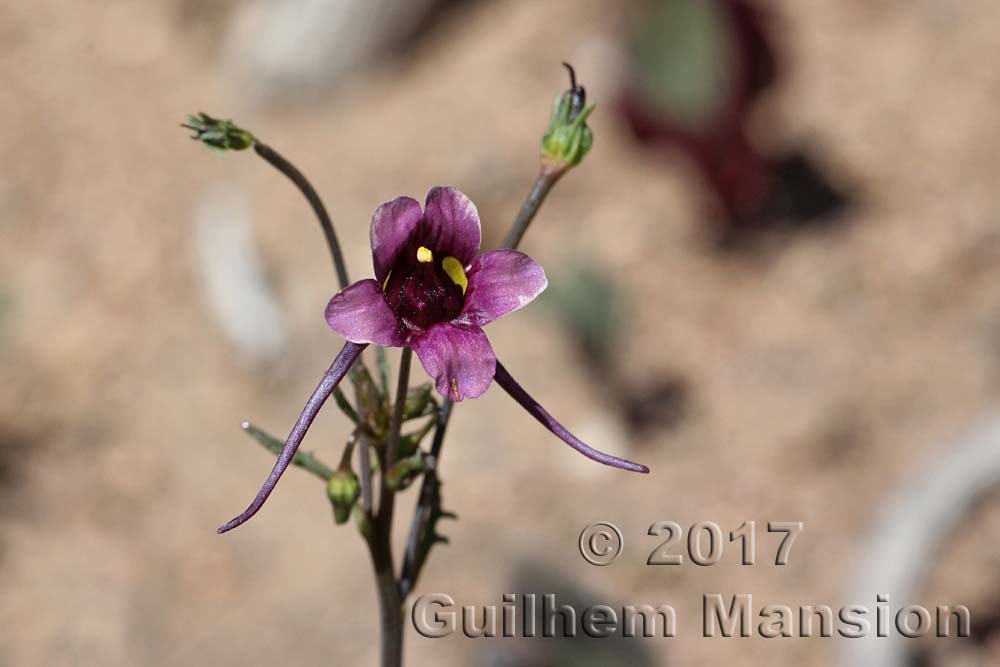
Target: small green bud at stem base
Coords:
[(343, 490)]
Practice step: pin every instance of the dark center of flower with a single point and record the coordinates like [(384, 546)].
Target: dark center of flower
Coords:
[(425, 288)]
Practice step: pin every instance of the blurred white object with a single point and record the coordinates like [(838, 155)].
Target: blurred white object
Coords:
[(277, 48), (908, 531), (232, 275)]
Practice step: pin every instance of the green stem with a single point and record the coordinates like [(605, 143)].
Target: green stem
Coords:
[(386, 495), (390, 609), (413, 561), (364, 456), (547, 177), (275, 159), (380, 545)]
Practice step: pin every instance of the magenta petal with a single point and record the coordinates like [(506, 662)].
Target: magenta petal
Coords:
[(452, 224), (500, 282), (516, 392), (361, 314), (393, 224), (460, 359), (338, 369)]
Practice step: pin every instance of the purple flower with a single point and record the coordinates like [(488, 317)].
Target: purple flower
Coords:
[(432, 292)]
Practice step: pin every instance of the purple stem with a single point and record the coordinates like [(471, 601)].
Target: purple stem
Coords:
[(338, 369), (516, 392)]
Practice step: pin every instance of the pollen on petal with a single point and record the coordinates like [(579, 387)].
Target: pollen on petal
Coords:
[(424, 255), (456, 272)]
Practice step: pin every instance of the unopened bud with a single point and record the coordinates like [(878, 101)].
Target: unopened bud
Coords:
[(343, 490), (568, 138), (218, 134), (419, 400)]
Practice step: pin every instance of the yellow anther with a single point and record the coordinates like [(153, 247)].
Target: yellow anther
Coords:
[(454, 389), (454, 269), (424, 255), (385, 283)]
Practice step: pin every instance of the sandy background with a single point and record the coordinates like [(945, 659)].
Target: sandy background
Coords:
[(820, 369)]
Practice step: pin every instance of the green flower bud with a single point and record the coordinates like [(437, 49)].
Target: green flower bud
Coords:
[(419, 401), (219, 135), (568, 138), (343, 490), (405, 470)]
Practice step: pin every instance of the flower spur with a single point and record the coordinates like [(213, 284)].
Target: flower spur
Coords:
[(433, 293)]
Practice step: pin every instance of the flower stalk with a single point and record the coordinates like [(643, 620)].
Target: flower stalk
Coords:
[(380, 543), (423, 534), (276, 160), (387, 494), (222, 135), (539, 190)]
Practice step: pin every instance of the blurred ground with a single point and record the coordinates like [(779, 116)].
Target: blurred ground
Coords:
[(821, 370)]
